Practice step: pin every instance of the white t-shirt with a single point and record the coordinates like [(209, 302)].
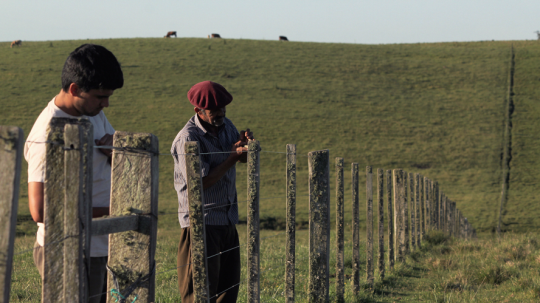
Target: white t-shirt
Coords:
[(34, 154)]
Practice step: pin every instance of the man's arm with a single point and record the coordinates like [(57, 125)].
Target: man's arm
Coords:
[(216, 173), (36, 203)]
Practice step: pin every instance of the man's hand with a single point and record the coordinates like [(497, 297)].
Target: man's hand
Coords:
[(246, 136), (241, 152), (107, 140)]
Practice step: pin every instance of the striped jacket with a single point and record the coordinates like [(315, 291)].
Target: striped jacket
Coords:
[(220, 200)]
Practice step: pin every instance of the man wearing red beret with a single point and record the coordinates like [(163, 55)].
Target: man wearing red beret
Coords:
[(216, 134)]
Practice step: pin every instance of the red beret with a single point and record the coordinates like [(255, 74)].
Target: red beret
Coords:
[(209, 95)]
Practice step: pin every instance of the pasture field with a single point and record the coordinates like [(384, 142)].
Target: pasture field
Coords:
[(436, 109)]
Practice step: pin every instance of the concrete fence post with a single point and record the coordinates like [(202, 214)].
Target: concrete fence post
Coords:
[(406, 220), (319, 225), (340, 232), (134, 193), (11, 147), (67, 209), (355, 229), (196, 222), (369, 225), (399, 216), (253, 222), (380, 198), (391, 219), (291, 223)]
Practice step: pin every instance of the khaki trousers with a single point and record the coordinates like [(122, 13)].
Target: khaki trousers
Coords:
[(97, 280), (223, 269)]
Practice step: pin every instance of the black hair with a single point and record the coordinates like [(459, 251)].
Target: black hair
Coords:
[(92, 66)]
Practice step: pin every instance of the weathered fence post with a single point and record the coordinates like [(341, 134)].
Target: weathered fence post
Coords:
[(427, 197), (391, 219), (399, 196), (406, 213), (11, 147), (448, 217), (369, 225), (291, 223), (340, 232), (253, 241), (67, 209), (355, 229), (420, 180), (434, 187), (413, 210), (196, 222), (319, 225), (418, 222), (134, 191), (77, 209), (380, 197)]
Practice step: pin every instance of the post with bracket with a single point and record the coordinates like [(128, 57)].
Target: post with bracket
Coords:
[(11, 147), (67, 210), (134, 198)]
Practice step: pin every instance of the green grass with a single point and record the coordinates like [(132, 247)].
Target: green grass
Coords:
[(436, 109)]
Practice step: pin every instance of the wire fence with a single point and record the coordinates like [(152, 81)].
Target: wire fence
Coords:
[(211, 207)]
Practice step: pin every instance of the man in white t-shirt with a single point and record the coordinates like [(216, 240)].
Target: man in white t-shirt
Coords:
[(90, 75)]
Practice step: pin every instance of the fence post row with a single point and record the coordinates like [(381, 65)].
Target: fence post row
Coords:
[(340, 232), (355, 229), (134, 195), (11, 147), (253, 241), (291, 223), (319, 225), (196, 222)]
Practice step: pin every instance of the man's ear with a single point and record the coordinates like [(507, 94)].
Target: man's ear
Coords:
[(74, 90), (196, 109)]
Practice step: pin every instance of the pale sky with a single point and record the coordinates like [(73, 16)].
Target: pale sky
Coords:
[(347, 21)]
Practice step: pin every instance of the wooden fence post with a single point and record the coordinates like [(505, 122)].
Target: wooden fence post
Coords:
[(67, 206), (319, 225), (340, 232), (420, 180), (253, 241), (291, 223), (134, 191), (78, 142), (418, 222), (413, 210), (380, 197), (399, 196), (406, 220), (427, 197), (391, 219), (11, 147), (196, 222), (436, 205), (355, 229), (369, 225)]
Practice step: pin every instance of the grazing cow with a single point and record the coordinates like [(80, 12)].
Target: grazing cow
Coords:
[(170, 34), (16, 42), (215, 36), (283, 38)]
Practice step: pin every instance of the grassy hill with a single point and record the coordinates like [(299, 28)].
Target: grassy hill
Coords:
[(436, 109)]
